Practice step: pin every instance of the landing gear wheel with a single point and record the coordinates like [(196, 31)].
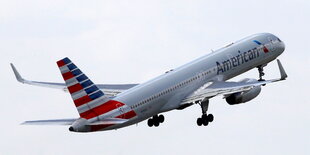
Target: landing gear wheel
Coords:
[(155, 120), (205, 118), (156, 123), (150, 122), (205, 122), (210, 118), (161, 118), (199, 121)]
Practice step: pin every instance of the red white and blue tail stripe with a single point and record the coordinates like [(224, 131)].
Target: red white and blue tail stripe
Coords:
[(84, 92), (90, 101)]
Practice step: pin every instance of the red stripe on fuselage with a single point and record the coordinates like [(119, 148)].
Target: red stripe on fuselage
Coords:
[(102, 109), (67, 75), (74, 88), (127, 115), (80, 101), (99, 127), (60, 63)]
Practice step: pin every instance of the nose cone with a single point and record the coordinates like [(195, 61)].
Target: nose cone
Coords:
[(281, 47)]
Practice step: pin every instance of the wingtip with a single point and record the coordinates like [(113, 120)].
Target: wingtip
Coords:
[(16, 73), (282, 71)]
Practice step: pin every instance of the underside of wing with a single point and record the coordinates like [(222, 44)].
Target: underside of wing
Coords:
[(221, 88)]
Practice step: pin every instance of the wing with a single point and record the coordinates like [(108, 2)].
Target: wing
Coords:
[(110, 89), (51, 122), (226, 88)]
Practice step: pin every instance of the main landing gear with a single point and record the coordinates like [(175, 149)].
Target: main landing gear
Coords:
[(155, 120), (204, 119)]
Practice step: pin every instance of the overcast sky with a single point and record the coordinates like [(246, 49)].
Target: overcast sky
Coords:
[(134, 41)]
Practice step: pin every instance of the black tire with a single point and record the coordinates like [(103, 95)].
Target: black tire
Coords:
[(210, 118), (204, 117), (161, 118), (156, 123), (150, 122), (205, 122), (199, 121), (155, 118)]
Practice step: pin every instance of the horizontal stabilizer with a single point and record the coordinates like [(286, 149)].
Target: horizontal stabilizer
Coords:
[(51, 122)]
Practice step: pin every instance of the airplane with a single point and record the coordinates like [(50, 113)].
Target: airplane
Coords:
[(111, 106)]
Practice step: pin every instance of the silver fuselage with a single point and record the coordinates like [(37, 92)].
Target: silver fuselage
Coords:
[(165, 92)]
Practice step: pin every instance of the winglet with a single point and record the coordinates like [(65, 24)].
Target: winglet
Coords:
[(17, 75), (282, 71)]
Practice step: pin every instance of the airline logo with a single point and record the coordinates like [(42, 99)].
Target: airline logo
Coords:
[(264, 47), (241, 58), (237, 60)]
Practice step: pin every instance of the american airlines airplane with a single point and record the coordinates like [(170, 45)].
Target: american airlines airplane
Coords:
[(105, 107)]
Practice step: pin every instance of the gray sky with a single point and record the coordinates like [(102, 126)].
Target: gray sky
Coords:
[(134, 41)]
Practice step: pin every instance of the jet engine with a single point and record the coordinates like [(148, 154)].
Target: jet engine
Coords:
[(242, 97)]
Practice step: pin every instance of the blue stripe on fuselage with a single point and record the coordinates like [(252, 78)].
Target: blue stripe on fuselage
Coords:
[(257, 42)]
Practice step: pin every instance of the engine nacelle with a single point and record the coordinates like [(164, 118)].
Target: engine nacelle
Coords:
[(242, 97)]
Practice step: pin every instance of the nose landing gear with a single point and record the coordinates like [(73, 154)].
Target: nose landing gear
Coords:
[(261, 72)]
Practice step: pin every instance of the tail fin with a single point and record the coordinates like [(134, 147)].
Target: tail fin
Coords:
[(84, 92)]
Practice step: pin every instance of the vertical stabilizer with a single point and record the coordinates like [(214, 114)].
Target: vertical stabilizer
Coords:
[(85, 94)]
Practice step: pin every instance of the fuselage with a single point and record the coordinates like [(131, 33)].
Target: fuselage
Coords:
[(165, 92)]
